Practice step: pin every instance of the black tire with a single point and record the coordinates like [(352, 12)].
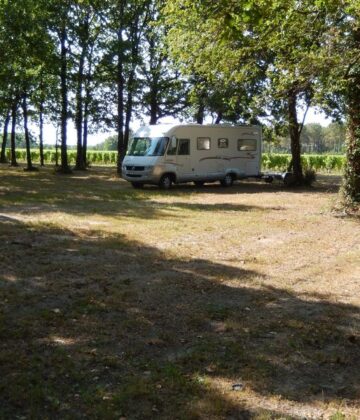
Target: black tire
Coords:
[(199, 183), (269, 179), (137, 185), (227, 181), (166, 182)]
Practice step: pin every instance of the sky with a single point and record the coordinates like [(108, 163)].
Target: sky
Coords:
[(313, 116)]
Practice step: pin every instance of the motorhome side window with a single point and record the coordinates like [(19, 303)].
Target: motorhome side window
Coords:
[(203, 143), (248, 145), (184, 147), (223, 143)]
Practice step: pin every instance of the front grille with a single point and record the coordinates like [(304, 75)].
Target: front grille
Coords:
[(135, 168)]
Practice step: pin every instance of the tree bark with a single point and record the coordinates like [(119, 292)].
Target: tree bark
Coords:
[(131, 83), (3, 158), (153, 106), (27, 136), (79, 114), (64, 101), (154, 89), (129, 108), (219, 117), (294, 130), (87, 100), (120, 96), (41, 133), (200, 114), (13, 161), (79, 120), (85, 133), (351, 183)]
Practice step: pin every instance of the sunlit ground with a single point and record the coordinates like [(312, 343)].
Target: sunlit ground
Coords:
[(203, 303)]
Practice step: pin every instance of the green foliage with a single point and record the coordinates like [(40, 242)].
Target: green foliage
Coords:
[(110, 143)]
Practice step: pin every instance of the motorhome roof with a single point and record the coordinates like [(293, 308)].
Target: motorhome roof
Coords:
[(161, 130), (154, 130)]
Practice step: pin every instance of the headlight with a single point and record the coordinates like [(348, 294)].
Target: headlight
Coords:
[(149, 168)]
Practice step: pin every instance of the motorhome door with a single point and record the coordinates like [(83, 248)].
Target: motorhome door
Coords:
[(183, 162), (248, 151)]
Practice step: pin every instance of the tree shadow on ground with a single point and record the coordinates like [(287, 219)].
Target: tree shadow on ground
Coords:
[(103, 327), (44, 192)]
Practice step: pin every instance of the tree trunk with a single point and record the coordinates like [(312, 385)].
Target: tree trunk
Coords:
[(13, 134), (153, 106), (85, 134), (200, 114), (120, 99), (153, 80), (131, 83), (64, 102), (294, 130), (351, 183), (219, 117), (3, 158), (87, 101), (79, 114), (129, 107), (41, 133), (27, 136)]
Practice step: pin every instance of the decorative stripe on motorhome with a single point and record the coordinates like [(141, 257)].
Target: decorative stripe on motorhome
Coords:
[(227, 158)]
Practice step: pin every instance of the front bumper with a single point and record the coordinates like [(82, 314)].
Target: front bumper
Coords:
[(143, 174)]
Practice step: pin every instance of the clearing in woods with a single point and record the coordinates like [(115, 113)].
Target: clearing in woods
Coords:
[(205, 303)]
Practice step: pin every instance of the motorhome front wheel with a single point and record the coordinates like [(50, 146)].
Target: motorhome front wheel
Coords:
[(165, 182)]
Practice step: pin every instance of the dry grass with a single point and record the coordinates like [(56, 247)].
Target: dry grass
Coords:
[(117, 303)]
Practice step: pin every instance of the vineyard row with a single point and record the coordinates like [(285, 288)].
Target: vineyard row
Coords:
[(278, 162)]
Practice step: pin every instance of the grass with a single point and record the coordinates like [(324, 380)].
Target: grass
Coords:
[(117, 302)]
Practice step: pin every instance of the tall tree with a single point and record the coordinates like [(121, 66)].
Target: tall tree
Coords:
[(125, 25), (339, 82), (265, 47), (23, 60), (58, 24), (164, 90), (86, 29)]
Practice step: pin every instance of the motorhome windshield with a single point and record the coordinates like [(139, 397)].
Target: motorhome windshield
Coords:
[(148, 146)]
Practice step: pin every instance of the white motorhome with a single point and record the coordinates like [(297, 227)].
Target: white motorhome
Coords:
[(165, 154)]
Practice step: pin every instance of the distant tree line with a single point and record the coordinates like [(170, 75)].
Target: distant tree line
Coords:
[(102, 63)]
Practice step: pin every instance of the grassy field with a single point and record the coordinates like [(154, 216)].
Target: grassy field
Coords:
[(197, 303)]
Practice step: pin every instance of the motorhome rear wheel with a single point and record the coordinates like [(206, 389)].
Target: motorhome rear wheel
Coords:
[(227, 181)]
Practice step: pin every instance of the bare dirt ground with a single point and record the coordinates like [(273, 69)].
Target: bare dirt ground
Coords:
[(198, 303)]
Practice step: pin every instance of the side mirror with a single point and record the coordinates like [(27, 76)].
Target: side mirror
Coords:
[(173, 142)]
